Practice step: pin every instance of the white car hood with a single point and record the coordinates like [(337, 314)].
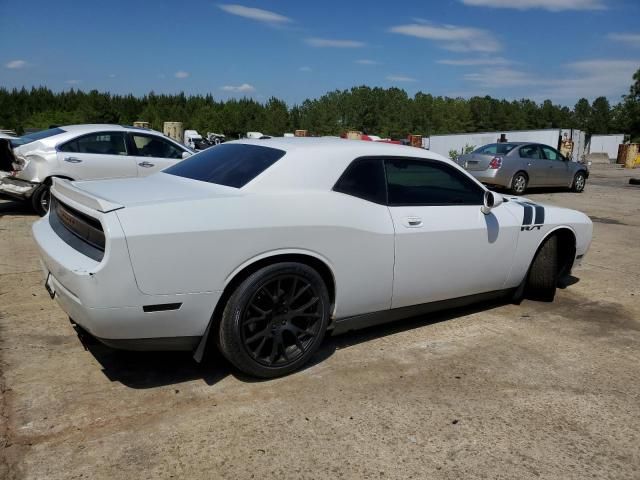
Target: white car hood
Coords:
[(156, 188)]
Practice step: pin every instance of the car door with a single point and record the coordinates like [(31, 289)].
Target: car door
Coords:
[(445, 247), (534, 164), (559, 172), (96, 155), (154, 153)]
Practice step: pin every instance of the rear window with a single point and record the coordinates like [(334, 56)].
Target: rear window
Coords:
[(32, 137), (496, 149), (233, 165)]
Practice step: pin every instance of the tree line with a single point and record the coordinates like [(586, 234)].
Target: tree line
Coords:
[(389, 112)]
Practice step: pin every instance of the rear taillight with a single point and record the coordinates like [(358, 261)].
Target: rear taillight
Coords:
[(496, 162)]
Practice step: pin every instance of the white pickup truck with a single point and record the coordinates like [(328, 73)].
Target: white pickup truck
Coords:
[(81, 152)]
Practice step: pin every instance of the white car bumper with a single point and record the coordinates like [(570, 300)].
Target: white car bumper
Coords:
[(103, 296)]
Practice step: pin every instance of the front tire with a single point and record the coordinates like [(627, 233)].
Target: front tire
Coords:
[(542, 279), (275, 320), (40, 199), (519, 183), (579, 181)]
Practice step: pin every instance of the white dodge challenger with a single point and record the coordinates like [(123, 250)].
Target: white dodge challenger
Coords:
[(262, 246)]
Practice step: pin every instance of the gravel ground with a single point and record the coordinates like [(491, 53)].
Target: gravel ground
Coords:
[(537, 390)]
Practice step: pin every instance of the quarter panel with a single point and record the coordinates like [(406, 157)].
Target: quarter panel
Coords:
[(194, 246)]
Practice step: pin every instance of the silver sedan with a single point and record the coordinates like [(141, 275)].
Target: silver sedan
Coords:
[(519, 165)]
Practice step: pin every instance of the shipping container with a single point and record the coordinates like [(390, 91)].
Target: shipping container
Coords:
[(606, 144)]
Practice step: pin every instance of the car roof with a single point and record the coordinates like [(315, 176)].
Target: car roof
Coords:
[(69, 132), (317, 162), (362, 147), (92, 127)]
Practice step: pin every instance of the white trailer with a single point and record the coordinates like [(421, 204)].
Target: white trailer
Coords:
[(606, 144), (443, 144)]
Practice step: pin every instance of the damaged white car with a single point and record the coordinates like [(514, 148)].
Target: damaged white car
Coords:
[(28, 164)]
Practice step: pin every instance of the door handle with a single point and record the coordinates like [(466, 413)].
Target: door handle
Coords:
[(413, 222), (146, 164), (72, 159)]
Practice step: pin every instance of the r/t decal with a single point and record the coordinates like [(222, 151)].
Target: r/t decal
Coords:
[(528, 222)]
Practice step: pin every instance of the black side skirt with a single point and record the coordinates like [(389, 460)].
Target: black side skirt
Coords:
[(152, 344), (357, 322)]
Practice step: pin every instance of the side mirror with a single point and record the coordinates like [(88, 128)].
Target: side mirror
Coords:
[(186, 155), (491, 200)]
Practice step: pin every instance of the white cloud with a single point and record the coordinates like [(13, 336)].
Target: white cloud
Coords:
[(73, 82), (365, 61), (551, 5), (587, 78), (471, 62), (305, 69), (332, 43), (501, 78), (257, 14), (112, 75), (181, 74), (400, 78), (16, 64), (631, 39), (244, 88), (452, 37)]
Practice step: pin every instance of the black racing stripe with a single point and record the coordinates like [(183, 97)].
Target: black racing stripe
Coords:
[(528, 214), (539, 214)]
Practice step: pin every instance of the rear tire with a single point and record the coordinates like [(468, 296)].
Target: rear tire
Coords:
[(579, 182), (40, 199), (543, 274), (519, 183), (275, 320)]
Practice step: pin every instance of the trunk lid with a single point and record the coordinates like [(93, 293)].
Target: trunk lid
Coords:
[(476, 161), (109, 195)]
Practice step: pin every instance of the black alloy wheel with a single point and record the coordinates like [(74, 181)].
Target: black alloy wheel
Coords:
[(275, 320), (281, 321)]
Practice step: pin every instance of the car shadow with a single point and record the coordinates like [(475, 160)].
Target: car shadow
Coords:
[(15, 207), (144, 370)]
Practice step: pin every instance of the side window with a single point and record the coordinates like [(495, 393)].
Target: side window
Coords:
[(419, 182), (364, 178), (551, 153), (530, 151), (102, 143), (154, 146)]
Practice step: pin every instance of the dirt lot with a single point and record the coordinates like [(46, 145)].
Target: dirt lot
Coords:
[(496, 391)]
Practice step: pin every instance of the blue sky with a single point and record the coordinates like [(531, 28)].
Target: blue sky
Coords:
[(557, 49)]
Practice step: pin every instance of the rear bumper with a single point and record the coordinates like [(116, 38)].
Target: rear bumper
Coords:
[(104, 299), (492, 176), (15, 187)]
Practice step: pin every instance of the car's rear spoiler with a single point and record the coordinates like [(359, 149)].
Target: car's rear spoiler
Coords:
[(66, 189)]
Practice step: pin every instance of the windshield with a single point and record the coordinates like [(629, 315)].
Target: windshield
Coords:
[(496, 149), (32, 137), (233, 165)]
